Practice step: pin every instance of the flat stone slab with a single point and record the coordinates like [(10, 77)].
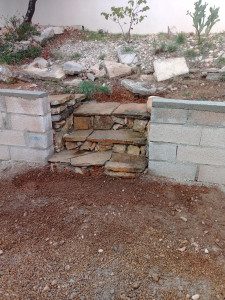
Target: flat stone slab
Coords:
[(63, 156), (132, 110), (60, 99), (120, 174), (92, 159), (123, 136), (122, 162), (94, 108), (139, 87), (168, 68), (116, 70), (78, 135)]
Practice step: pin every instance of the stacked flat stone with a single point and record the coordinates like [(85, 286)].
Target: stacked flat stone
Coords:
[(62, 107)]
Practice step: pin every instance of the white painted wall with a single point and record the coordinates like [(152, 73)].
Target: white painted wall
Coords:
[(163, 13)]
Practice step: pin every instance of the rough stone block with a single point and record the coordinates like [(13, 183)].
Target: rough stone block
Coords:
[(4, 153), (162, 151), (176, 171), (86, 146), (82, 123), (208, 118), (103, 147), (58, 109), (2, 103), (133, 150), (58, 141), (39, 107), (119, 148), (138, 110), (39, 140), (212, 174), (92, 159), (30, 154), (71, 145), (93, 108), (31, 123), (179, 134), (164, 115), (12, 137), (103, 122), (1, 121), (201, 155), (213, 137), (140, 125)]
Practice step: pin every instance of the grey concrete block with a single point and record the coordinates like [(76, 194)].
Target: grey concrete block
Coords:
[(2, 103), (4, 153), (178, 134), (30, 95), (167, 115), (12, 137), (39, 140), (38, 107), (207, 118), (212, 174), (1, 121), (31, 123), (4, 123), (30, 154), (213, 137), (176, 171), (201, 155), (162, 151), (189, 104)]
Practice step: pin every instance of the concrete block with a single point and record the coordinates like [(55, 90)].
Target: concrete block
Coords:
[(4, 124), (212, 174), (12, 137), (189, 104), (2, 103), (208, 118), (30, 154), (4, 153), (23, 94), (1, 121), (162, 151), (178, 134), (201, 155), (177, 171), (213, 137), (167, 115), (39, 140), (31, 123), (38, 107)]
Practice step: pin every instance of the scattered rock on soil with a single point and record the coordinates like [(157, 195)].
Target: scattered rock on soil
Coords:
[(115, 70), (6, 75), (73, 68), (128, 58), (139, 87)]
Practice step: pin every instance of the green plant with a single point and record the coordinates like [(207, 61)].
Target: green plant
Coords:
[(222, 76), (133, 11), (128, 49), (221, 61), (76, 55), (67, 90), (19, 30), (180, 38), (102, 57), (172, 47), (89, 88), (186, 95), (198, 17), (159, 46), (191, 53)]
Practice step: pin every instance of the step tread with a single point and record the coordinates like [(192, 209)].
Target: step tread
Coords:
[(132, 109), (91, 159), (78, 135), (122, 162), (123, 136), (66, 155), (61, 99), (94, 108)]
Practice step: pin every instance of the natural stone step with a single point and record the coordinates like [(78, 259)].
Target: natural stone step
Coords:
[(65, 156), (121, 162), (136, 110), (78, 135), (123, 136), (94, 108), (61, 99), (120, 174), (91, 159)]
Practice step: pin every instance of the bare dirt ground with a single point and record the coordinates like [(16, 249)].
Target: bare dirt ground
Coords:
[(67, 236)]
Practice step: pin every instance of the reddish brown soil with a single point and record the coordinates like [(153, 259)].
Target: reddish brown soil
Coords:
[(52, 226)]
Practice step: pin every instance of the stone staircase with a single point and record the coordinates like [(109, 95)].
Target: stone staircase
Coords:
[(111, 136)]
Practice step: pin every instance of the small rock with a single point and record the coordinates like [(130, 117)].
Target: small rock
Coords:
[(46, 288), (136, 285), (100, 250), (1, 252), (67, 267), (72, 68), (91, 76), (54, 282), (183, 219), (195, 297)]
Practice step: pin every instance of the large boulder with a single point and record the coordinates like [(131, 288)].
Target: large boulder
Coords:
[(115, 70), (53, 73), (139, 87), (168, 68), (128, 58), (73, 68), (39, 63), (6, 75)]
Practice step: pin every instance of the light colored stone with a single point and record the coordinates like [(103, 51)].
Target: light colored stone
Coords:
[(168, 68), (12, 137), (139, 87), (120, 174), (4, 153), (82, 123), (53, 73), (162, 151), (60, 99), (86, 146), (129, 122), (140, 125), (63, 156), (119, 148), (168, 115), (133, 150), (91, 76), (72, 83), (103, 147), (6, 74), (92, 159), (207, 118), (115, 70), (212, 174), (39, 140), (117, 126), (58, 30), (31, 155), (118, 120), (213, 137), (57, 110), (47, 33), (39, 63), (94, 108), (31, 123), (132, 109), (71, 145), (143, 150), (78, 135), (128, 58), (103, 122), (73, 68)]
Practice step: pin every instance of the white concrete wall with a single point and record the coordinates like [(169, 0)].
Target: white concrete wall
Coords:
[(163, 13)]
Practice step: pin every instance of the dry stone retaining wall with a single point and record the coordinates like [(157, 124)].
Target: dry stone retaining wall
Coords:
[(25, 126), (187, 140)]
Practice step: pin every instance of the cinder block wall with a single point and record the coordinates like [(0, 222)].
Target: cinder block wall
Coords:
[(25, 126), (187, 140)]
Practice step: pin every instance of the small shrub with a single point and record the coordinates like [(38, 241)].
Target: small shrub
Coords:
[(128, 49), (186, 95), (159, 46), (102, 57), (76, 55), (191, 53), (181, 38), (221, 61), (89, 88), (172, 47)]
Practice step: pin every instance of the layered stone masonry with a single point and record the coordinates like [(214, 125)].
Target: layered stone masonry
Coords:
[(187, 140), (25, 126)]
